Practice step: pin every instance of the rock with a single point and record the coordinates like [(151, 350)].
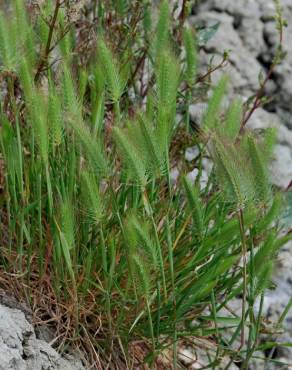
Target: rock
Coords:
[(21, 350), (243, 68), (192, 153), (271, 89), (197, 355), (251, 31), (286, 94), (281, 168), (283, 280), (245, 15), (267, 9), (192, 176), (248, 29), (174, 174), (240, 8), (270, 34), (207, 165), (258, 363), (262, 119), (196, 112)]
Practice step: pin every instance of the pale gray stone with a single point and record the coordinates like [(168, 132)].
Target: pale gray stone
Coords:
[(174, 174), (21, 350), (196, 112), (243, 68), (281, 169), (191, 153)]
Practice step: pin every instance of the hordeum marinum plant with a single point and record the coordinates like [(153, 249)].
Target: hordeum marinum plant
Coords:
[(122, 262)]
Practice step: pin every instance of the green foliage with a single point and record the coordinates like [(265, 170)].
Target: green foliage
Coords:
[(211, 116), (206, 34), (55, 119), (92, 148), (17, 39), (91, 196), (232, 174), (259, 171), (162, 29), (131, 157), (110, 70), (240, 165), (232, 121), (142, 257), (287, 213), (91, 215), (167, 75), (264, 277), (191, 56), (196, 207)]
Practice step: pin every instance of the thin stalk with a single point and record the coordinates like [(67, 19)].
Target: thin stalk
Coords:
[(151, 328), (22, 201), (236, 352), (117, 112), (168, 174), (39, 217), (121, 225), (19, 147), (8, 207), (250, 344), (159, 305), (244, 274), (213, 302), (20, 240), (257, 329), (188, 100), (149, 207), (49, 189), (105, 274), (45, 54), (171, 267)]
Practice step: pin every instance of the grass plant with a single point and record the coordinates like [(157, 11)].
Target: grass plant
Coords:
[(121, 261)]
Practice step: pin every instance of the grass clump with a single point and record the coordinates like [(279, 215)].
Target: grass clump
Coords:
[(120, 260)]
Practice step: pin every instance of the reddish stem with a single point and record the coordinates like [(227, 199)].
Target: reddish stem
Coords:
[(45, 55)]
